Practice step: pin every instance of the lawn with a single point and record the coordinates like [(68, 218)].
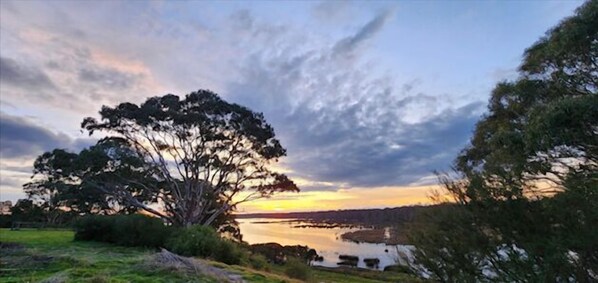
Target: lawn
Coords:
[(53, 256)]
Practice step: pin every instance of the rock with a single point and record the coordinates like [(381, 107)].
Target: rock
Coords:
[(348, 257), (371, 262)]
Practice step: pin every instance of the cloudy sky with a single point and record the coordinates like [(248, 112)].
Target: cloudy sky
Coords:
[(369, 98)]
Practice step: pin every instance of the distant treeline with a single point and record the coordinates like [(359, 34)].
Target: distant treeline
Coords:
[(377, 217)]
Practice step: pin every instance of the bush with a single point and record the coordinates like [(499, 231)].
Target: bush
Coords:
[(203, 241), (94, 228), (140, 230), (124, 230), (5, 221), (258, 261), (194, 241), (297, 269), (398, 268), (228, 252)]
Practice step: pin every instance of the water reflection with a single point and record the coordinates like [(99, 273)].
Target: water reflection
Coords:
[(326, 241)]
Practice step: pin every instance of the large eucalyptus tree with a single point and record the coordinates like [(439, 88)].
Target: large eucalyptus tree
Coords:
[(187, 160)]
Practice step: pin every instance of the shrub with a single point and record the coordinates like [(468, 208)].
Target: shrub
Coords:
[(297, 269), (196, 240), (139, 230), (228, 252), (5, 221), (94, 228), (399, 268), (125, 230), (258, 261)]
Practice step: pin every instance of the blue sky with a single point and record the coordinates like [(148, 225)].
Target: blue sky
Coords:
[(365, 95)]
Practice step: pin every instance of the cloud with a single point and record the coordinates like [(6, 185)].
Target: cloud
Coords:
[(327, 11), (108, 78), (22, 138), (370, 155), (366, 32), (16, 74), (345, 123), (344, 126)]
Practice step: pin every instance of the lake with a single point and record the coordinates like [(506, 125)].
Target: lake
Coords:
[(326, 241)]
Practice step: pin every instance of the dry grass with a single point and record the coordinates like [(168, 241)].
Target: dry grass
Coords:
[(168, 260)]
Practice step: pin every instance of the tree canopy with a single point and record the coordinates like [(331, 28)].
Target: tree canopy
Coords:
[(188, 161), (527, 191)]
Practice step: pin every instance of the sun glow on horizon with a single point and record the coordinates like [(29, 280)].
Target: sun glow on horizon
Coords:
[(354, 198)]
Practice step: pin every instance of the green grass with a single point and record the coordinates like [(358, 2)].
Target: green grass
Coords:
[(53, 256)]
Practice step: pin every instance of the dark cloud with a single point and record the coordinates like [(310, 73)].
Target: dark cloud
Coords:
[(21, 138), (350, 43), (19, 75), (369, 157)]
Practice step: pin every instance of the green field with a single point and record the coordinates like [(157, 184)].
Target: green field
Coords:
[(53, 256)]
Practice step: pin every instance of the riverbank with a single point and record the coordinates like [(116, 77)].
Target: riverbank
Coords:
[(43, 255)]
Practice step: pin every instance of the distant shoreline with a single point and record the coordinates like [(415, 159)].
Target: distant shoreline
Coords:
[(377, 226), (323, 213)]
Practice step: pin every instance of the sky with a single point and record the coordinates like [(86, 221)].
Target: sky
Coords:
[(369, 98)]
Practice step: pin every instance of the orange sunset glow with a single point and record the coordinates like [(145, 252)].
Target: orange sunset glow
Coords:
[(342, 199)]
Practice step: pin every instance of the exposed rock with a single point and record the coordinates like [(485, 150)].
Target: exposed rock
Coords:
[(168, 259)]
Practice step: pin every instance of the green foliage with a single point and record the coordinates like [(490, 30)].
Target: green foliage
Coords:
[(94, 228), (297, 269), (53, 256), (140, 230), (228, 252), (540, 130), (258, 261), (27, 210), (398, 268), (203, 241), (5, 221), (197, 240), (124, 230)]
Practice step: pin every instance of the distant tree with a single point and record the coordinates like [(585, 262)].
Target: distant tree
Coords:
[(81, 181), (197, 158), (27, 210), (527, 193)]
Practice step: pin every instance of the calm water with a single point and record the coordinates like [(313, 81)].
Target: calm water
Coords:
[(326, 241)]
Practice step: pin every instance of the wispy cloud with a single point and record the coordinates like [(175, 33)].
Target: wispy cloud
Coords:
[(348, 44), (351, 112)]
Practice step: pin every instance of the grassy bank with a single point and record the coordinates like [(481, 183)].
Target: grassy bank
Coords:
[(53, 256)]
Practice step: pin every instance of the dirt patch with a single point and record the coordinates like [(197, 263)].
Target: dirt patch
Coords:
[(8, 246)]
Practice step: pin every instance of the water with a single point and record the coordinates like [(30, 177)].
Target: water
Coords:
[(326, 241)]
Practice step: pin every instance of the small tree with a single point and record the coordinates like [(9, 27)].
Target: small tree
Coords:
[(197, 157)]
